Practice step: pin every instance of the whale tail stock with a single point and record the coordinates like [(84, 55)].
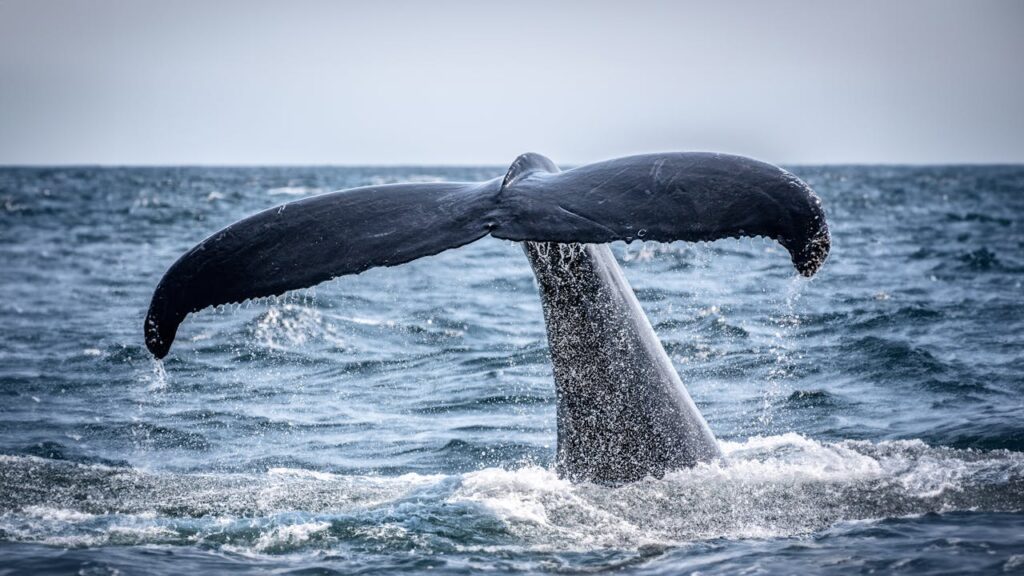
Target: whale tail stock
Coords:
[(663, 197)]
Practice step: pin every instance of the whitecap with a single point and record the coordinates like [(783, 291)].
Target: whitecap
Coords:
[(294, 191)]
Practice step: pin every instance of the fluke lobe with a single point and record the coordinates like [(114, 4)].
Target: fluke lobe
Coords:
[(623, 412)]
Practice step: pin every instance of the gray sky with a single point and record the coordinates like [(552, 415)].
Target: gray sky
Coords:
[(136, 82)]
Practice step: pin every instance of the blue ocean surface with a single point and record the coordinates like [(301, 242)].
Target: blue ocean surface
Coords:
[(403, 420)]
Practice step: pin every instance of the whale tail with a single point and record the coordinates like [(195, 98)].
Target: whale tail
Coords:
[(663, 197), (303, 243)]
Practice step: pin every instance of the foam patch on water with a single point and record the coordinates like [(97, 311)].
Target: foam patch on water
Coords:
[(294, 191), (765, 487), (289, 536), (56, 514), (301, 473)]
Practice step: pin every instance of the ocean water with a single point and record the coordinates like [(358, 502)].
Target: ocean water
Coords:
[(403, 420)]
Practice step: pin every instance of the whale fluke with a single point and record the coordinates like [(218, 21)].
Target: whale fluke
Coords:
[(664, 197), (303, 243)]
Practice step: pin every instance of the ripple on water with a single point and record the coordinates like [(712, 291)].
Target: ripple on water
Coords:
[(283, 432)]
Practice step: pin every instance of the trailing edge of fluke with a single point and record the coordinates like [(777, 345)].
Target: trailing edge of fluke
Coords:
[(662, 197)]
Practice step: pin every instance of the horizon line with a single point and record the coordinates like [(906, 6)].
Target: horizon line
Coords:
[(463, 165)]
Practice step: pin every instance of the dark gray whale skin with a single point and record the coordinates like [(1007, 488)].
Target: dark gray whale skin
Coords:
[(623, 413)]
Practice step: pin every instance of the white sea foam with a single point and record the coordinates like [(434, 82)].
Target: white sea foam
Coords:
[(771, 486), (765, 487), (514, 495), (301, 473), (289, 535), (294, 191), (56, 514), (368, 321)]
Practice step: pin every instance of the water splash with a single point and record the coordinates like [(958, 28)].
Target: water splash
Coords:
[(156, 381), (286, 325), (785, 321), (767, 486)]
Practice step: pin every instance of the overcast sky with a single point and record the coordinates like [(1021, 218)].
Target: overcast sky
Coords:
[(136, 82)]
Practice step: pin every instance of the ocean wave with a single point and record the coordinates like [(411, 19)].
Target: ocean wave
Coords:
[(773, 486)]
